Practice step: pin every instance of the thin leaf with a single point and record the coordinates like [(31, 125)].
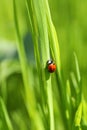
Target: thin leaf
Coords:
[(3, 110)]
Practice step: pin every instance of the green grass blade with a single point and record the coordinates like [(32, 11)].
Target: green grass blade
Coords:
[(45, 54), (77, 68), (41, 23), (78, 116), (3, 110), (23, 61), (30, 100), (53, 38)]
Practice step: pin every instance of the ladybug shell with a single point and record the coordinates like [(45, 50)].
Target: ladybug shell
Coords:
[(51, 67)]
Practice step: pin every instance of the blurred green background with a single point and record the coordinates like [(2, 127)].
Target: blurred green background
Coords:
[(70, 20), (69, 17)]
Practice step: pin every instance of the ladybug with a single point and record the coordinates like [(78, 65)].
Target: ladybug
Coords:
[(51, 66)]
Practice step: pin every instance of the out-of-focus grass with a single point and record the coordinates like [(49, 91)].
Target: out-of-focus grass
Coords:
[(69, 18), (7, 30), (71, 24)]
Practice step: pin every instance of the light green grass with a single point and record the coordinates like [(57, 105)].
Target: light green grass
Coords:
[(42, 95)]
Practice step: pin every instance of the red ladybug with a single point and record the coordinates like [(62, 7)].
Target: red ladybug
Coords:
[(51, 66)]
